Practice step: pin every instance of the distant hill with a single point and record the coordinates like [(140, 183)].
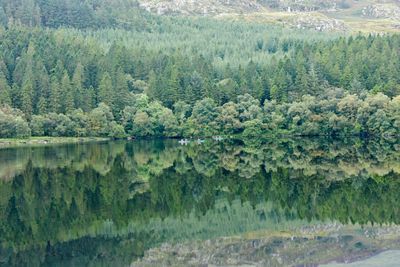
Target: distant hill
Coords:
[(202, 7), (320, 15), (206, 7)]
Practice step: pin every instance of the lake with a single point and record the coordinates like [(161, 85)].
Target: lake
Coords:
[(158, 203)]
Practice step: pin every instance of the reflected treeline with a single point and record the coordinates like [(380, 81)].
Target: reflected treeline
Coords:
[(334, 159), (14, 161), (63, 194)]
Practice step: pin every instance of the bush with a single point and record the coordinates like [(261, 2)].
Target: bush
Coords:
[(37, 125), (13, 124), (116, 131)]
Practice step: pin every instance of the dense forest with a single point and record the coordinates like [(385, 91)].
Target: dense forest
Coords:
[(72, 13), (165, 76)]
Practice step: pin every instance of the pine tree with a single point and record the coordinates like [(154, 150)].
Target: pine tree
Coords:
[(28, 87), (55, 96), (42, 105), (274, 92), (105, 93), (16, 96), (281, 83), (154, 86), (77, 86), (195, 90), (121, 93), (58, 71), (172, 88), (346, 77), (20, 70), (258, 90), (26, 98), (313, 82), (5, 97), (301, 82), (68, 93), (4, 70), (42, 87), (89, 99)]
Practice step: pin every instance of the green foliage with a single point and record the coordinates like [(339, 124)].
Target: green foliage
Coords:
[(71, 13), (5, 98), (204, 117), (100, 120), (340, 114), (75, 69), (13, 123), (253, 129), (116, 131), (164, 79), (228, 118)]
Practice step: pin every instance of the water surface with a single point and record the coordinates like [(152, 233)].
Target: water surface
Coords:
[(142, 203)]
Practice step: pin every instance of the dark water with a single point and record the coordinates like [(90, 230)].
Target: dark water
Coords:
[(108, 203)]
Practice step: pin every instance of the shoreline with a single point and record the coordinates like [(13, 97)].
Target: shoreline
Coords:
[(45, 140)]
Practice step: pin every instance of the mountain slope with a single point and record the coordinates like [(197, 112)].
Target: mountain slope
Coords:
[(320, 15), (203, 7)]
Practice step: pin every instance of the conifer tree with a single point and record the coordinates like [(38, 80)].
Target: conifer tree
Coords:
[(105, 94), (42, 88), (5, 97), (26, 97), (68, 93), (42, 106), (77, 86), (121, 92), (55, 96)]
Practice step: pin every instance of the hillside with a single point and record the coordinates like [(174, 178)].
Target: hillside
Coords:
[(204, 7), (320, 15), (367, 8), (110, 68)]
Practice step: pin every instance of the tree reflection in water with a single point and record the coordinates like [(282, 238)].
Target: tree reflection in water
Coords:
[(110, 202)]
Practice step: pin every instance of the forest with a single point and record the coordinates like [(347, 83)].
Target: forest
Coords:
[(71, 13), (150, 76)]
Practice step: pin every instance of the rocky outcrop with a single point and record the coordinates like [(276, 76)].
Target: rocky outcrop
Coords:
[(306, 5), (213, 7), (312, 21), (377, 9), (318, 15), (195, 7), (380, 11)]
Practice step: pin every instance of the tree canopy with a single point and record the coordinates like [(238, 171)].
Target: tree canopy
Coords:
[(51, 71)]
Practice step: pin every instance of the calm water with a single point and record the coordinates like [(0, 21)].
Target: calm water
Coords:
[(143, 203)]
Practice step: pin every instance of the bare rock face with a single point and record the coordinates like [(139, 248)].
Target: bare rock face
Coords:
[(314, 22), (389, 11), (204, 7), (306, 5), (214, 7)]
